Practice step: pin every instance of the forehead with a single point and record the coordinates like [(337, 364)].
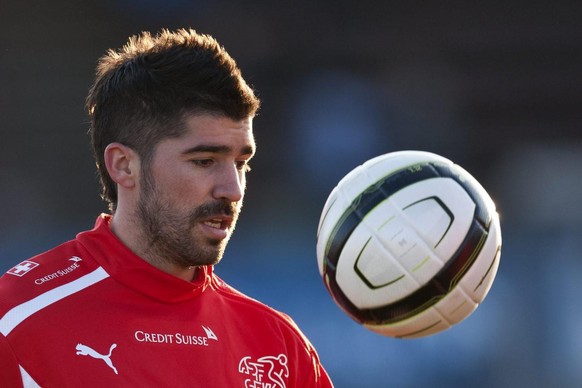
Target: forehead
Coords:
[(215, 130)]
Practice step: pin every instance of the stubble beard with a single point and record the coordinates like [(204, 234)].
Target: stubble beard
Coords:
[(168, 231)]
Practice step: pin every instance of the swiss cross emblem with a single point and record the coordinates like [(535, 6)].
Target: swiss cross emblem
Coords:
[(22, 268)]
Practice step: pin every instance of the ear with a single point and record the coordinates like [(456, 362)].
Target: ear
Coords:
[(122, 165)]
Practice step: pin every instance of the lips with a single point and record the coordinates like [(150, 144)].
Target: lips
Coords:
[(214, 224), (216, 228), (216, 219), (220, 223)]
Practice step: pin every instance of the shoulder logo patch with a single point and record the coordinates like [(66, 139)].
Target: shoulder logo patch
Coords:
[(23, 268)]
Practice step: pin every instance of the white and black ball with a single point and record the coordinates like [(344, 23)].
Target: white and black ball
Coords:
[(408, 244)]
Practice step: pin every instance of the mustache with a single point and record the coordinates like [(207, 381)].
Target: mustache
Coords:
[(217, 208)]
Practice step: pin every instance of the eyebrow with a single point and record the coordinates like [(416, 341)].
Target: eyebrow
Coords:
[(217, 149)]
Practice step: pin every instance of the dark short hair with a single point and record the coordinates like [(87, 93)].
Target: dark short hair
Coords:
[(143, 92)]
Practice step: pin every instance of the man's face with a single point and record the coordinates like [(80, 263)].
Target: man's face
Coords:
[(192, 191)]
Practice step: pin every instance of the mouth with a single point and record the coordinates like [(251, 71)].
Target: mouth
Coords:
[(215, 220), (221, 223)]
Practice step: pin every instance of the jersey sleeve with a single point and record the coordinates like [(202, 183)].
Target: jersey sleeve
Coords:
[(321, 379), (9, 368), (315, 374)]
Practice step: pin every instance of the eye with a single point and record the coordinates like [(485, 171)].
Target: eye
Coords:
[(243, 165), (203, 162)]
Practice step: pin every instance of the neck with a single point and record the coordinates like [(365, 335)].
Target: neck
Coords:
[(131, 236)]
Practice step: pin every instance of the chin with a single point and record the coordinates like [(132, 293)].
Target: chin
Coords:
[(212, 258)]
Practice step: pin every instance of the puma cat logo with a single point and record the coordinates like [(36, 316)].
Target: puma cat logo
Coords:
[(84, 350)]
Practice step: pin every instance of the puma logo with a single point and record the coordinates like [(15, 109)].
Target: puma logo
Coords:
[(84, 350)]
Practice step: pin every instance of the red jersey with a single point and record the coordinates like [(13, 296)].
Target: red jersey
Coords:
[(90, 313)]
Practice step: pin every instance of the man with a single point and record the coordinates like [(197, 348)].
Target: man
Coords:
[(135, 302)]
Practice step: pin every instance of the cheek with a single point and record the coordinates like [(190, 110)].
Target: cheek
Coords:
[(181, 189), (187, 192)]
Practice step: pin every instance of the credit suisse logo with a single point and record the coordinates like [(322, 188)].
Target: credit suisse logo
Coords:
[(23, 268)]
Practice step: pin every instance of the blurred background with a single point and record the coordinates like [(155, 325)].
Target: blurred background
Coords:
[(495, 86)]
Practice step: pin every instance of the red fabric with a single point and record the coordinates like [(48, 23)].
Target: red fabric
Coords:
[(92, 313), (9, 371)]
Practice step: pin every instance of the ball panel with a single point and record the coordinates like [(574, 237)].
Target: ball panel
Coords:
[(426, 323), (375, 267), (432, 218), (446, 312), (448, 208), (456, 305), (395, 234), (485, 208), (381, 166), (479, 278), (358, 184), (367, 200), (333, 210), (371, 277)]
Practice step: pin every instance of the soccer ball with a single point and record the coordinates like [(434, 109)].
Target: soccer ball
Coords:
[(408, 244)]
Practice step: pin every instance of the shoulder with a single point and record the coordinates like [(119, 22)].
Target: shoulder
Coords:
[(42, 273), (261, 312), (244, 300), (297, 346)]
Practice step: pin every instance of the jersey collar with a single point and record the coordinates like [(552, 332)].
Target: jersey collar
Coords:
[(133, 272)]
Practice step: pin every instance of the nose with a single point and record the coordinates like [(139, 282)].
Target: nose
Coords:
[(230, 184)]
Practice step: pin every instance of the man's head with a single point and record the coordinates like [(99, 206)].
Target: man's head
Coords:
[(144, 93)]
